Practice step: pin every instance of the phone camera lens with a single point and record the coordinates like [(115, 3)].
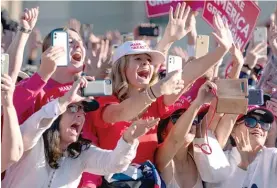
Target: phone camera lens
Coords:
[(108, 82)]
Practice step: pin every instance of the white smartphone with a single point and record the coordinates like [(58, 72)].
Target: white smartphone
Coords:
[(98, 88), (4, 64), (260, 35), (174, 63), (202, 45), (60, 38)]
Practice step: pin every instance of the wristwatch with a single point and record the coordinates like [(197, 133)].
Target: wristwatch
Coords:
[(23, 30)]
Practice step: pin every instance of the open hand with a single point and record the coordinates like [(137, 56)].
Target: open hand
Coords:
[(255, 54), (139, 128), (222, 34), (176, 28)]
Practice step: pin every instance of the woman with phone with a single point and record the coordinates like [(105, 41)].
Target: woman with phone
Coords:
[(11, 145), (175, 155), (57, 153)]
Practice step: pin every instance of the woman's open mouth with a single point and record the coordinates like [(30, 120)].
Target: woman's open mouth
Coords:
[(144, 74)]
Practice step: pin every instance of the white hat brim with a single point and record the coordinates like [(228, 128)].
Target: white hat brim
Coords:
[(157, 56)]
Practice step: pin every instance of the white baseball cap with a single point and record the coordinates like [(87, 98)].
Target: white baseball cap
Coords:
[(138, 47)]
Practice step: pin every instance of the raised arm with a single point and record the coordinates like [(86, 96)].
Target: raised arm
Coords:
[(176, 138), (176, 28), (141, 101), (106, 162), (16, 49), (33, 128), (12, 145), (198, 67)]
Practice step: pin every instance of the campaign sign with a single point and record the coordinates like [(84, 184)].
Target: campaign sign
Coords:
[(241, 16), (156, 8)]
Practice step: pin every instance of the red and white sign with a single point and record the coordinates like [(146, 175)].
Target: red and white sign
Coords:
[(241, 16), (156, 8)]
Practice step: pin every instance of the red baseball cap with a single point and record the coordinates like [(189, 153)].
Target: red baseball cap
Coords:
[(60, 91)]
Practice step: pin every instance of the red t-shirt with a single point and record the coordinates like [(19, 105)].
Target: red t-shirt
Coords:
[(108, 134)]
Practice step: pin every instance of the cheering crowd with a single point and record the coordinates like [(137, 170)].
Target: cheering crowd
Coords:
[(157, 129)]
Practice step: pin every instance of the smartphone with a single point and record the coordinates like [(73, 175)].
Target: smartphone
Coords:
[(60, 38), (152, 31), (128, 37), (4, 64), (202, 45), (174, 63), (255, 97), (260, 35), (98, 88)]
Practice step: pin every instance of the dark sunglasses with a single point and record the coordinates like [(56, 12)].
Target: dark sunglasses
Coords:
[(174, 118), (252, 122)]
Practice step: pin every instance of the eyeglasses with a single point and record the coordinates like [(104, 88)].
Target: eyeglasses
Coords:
[(174, 118), (74, 108), (252, 122)]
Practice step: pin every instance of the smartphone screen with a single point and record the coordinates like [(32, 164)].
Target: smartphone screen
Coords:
[(60, 38), (202, 45), (4, 64), (149, 31)]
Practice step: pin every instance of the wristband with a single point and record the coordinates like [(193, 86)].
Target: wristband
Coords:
[(23, 30)]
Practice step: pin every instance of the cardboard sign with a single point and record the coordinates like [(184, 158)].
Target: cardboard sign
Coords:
[(240, 15), (156, 8)]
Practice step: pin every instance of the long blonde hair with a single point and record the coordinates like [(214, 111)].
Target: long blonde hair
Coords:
[(119, 78)]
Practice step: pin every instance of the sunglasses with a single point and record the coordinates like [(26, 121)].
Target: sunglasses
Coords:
[(174, 118), (74, 108), (252, 122)]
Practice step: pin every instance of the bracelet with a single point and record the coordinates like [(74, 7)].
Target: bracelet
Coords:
[(152, 92), (23, 30)]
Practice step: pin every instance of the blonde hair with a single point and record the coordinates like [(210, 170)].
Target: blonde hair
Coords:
[(119, 78)]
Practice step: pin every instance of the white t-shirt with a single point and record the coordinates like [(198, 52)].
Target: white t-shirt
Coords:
[(261, 173), (33, 171)]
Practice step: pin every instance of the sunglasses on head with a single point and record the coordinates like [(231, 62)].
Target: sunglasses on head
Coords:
[(252, 122), (74, 108)]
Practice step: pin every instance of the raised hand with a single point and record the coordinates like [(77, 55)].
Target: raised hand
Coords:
[(49, 60), (7, 89), (139, 128), (273, 36), (74, 24), (99, 60), (222, 34), (29, 18), (169, 85), (74, 94), (177, 26), (254, 54), (244, 148), (237, 54), (205, 94)]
